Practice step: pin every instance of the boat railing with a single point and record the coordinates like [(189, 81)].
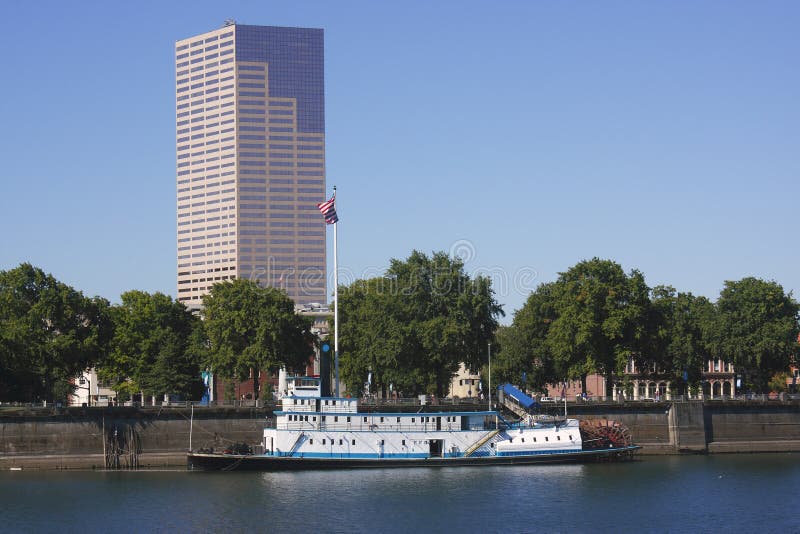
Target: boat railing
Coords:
[(360, 426)]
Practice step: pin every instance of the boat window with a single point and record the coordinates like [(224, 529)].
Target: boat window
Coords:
[(348, 418), (559, 438), (335, 418), (326, 403), (523, 440), (334, 403), (398, 419), (404, 443), (322, 417), (570, 437), (354, 442), (314, 418), (534, 440), (546, 438), (323, 441), (382, 442), (294, 401), (365, 419), (305, 418), (381, 419), (413, 419), (311, 441), (341, 442)]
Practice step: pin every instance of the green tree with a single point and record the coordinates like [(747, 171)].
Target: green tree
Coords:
[(155, 348), (755, 328), (49, 333), (252, 328), (523, 346), (601, 320), (680, 320), (414, 326)]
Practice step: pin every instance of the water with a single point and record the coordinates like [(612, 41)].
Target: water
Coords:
[(736, 493)]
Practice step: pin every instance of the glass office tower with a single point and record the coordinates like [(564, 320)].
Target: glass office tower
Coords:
[(250, 121)]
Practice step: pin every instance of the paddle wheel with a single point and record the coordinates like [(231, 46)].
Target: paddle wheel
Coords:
[(604, 434)]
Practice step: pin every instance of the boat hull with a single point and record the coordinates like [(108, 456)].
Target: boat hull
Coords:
[(234, 462)]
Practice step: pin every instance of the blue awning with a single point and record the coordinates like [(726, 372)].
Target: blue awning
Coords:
[(524, 400)]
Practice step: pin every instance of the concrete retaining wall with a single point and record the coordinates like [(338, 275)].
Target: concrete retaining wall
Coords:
[(74, 437)]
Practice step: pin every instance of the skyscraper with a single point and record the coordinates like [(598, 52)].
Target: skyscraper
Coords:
[(250, 121)]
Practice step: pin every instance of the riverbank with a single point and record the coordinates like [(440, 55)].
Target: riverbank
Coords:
[(158, 437)]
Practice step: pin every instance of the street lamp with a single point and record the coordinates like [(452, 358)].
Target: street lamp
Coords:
[(83, 380), (490, 376)]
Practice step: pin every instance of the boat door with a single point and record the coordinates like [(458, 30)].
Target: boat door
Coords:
[(438, 423), (436, 448)]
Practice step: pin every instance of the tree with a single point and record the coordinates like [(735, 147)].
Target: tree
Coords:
[(601, 317), (413, 327), (755, 328), (523, 346), (49, 333), (155, 348), (252, 328), (680, 320)]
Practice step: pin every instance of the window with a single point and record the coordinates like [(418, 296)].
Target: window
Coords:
[(323, 441), (348, 418), (311, 441), (365, 419), (354, 442), (546, 438), (404, 443), (335, 418), (341, 442)]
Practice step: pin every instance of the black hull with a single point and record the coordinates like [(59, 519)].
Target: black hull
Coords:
[(232, 462)]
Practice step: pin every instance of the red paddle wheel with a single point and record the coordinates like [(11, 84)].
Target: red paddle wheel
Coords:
[(604, 434)]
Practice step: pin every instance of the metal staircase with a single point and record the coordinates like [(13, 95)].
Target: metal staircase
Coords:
[(296, 444), (480, 443)]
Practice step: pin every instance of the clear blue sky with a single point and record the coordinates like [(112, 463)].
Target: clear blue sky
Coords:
[(527, 135)]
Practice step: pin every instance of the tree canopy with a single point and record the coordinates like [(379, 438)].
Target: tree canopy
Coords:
[(252, 328), (49, 333), (596, 318), (413, 327), (755, 328), (679, 344), (156, 347)]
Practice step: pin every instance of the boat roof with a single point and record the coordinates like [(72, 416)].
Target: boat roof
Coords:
[(389, 414), (525, 400)]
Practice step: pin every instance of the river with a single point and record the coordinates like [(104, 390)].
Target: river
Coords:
[(731, 493)]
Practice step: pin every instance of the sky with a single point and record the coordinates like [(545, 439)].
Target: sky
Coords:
[(520, 136)]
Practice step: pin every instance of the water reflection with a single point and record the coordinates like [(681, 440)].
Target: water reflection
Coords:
[(734, 493)]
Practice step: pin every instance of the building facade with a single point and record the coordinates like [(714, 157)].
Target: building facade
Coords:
[(250, 140)]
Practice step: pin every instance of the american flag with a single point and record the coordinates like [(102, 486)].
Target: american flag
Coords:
[(328, 210)]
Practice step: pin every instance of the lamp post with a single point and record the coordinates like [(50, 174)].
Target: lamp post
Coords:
[(490, 376), (82, 380)]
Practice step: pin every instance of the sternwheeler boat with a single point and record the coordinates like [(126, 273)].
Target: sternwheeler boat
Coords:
[(312, 431)]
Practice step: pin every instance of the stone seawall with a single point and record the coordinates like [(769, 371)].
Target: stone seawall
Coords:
[(74, 437)]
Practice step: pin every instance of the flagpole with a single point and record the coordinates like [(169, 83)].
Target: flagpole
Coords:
[(336, 300)]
